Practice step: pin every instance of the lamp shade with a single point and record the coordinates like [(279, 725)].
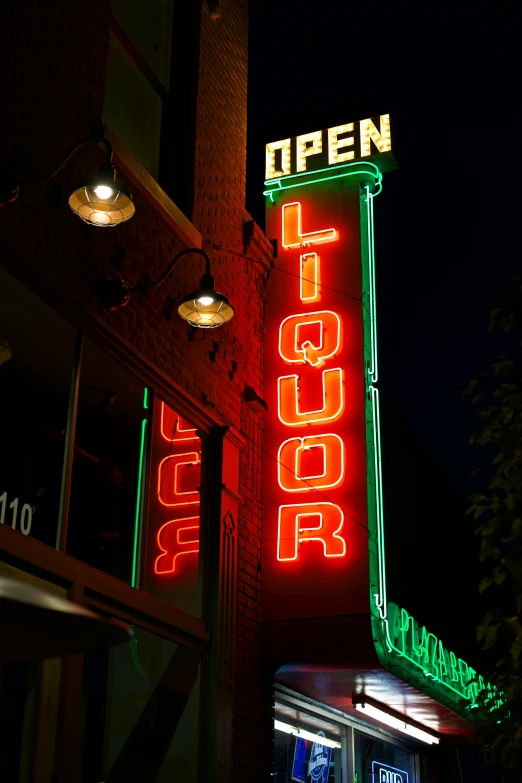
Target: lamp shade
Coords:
[(102, 205), (104, 202), (206, 309)]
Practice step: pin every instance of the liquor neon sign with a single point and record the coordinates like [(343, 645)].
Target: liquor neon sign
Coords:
[(323, 521), (315, 535), (315, 461)]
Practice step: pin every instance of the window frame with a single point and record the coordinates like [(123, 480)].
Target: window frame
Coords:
[(348, 726), (177, 144), (85, 583)]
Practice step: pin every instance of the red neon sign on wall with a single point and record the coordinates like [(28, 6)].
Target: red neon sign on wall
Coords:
[(306, 522), (177, 468), (314, 508)]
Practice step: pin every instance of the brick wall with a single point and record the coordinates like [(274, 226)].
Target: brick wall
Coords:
[(57, 53), (219, 213)]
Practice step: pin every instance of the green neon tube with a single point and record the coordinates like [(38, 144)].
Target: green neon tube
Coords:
[(381, 601), (372, 377), (334, 172), (134, 575)]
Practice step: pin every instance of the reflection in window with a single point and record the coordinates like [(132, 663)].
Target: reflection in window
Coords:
[(102, 516), (28, 705), (18, 703), (377, 761), (305, 760), (141, 712), (35, 375), (172, 552), (138, 74), (149, 27), (132, 108)]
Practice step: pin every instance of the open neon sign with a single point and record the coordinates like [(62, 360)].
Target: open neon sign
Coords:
[(316, 461)]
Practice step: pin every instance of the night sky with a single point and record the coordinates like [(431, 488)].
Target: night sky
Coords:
[(445, 234)]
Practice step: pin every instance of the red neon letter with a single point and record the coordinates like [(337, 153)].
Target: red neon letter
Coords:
[(293, 233), (333, 399), (327, 452), (174, 428), (296, 526), (170, 486), (175, 539), (310, 277), (294, 346)]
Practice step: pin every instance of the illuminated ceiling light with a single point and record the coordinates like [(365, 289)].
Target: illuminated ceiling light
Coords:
[(205, 308), (102, 202), (304, 734), (394, 721)]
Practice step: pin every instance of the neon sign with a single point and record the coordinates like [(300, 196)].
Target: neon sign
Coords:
[(422, 652), (315, 536), (339, 145), (323, 522), (382, 773), (316, 461), (177, 465)]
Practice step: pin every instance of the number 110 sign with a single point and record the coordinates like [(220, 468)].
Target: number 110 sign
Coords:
[(9, 514)]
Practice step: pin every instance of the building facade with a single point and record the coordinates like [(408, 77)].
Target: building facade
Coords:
[(131, 454), (134, 447)]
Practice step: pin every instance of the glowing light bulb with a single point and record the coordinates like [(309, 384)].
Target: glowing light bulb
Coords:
[(103, 191), (205, 300)]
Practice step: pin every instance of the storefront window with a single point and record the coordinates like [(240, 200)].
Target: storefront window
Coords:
[(141, 712), (306, 759), (378, 761), (171, 566), (36, 355), (134, 505), (29, 692), (102, 518)]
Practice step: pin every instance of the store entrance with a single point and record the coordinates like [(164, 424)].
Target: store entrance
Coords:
[(313, 744)]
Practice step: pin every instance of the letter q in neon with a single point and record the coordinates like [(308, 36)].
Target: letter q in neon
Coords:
[(294, 347)]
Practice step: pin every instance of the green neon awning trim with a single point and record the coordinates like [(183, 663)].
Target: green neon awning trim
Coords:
[(378, 578), (333, 172)]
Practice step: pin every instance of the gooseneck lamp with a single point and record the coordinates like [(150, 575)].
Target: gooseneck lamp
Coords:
[(204, 308), (103, 201)]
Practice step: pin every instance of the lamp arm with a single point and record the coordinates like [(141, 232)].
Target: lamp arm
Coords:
[(115, 293), (91, 137), (161, 279)]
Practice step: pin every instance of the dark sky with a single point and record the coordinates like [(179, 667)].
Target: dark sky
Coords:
[(446, 220)]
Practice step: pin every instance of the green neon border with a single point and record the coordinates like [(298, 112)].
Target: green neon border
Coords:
[(137, 522), (137, 518), (278, 184), (390, 656)]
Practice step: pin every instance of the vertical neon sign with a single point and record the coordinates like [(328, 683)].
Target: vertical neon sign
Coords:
[(315, 508), (176, 471), (314, 338)]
